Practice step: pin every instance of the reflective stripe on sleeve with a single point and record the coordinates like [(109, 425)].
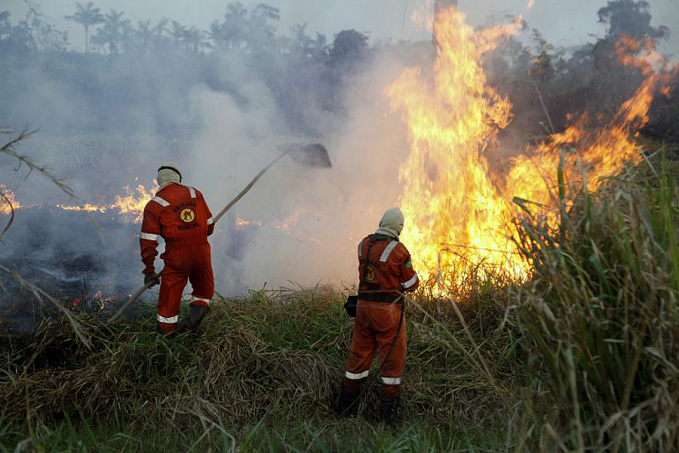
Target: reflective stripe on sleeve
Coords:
[(172, 320), (391, 380), (410, 282), (192, 191), (360, 247), (387, 251), (357, 376), (210, 221), (149, 237), (200, 299), (160, 201)]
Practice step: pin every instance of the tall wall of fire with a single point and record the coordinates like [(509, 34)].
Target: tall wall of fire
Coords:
[(441, 5)]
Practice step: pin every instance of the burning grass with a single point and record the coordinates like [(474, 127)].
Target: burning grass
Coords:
[(456, 201)]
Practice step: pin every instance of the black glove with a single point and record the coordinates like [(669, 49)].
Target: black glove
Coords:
[(151, 278)]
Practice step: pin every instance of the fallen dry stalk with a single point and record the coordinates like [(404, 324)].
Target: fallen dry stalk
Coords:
[(39, 294)]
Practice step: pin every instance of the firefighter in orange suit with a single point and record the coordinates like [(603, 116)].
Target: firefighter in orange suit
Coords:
[(181, 217), (385, 271)]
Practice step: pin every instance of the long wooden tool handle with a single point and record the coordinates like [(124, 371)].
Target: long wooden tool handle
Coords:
[(247, 188), (132, 298), (242, 193)]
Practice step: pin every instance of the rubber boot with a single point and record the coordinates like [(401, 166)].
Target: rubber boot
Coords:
[(165, 331), (347, 402), (193, 319), (388, 410)]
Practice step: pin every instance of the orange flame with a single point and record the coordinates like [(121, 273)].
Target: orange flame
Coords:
[(133, 206), (242, 223), (458, 216), (8, 201), (421, 15), (292, 219), (604, 150), (87, 207), (449, 201), (130, 206)]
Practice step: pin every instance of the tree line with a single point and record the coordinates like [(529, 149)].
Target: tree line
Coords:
[(148, 66), (147, 69), (110, 33)]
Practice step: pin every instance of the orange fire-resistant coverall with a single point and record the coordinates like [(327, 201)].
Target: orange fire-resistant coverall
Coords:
[(181, 217), (385, 271)]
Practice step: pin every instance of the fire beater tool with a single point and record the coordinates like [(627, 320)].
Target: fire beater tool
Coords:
[(313, 155)]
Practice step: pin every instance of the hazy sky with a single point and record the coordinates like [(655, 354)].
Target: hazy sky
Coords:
[(562, 22)]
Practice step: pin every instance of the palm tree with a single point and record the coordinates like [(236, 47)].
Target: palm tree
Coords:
[(193, 39), (262, 24), (158, 31), (235, 27), (216, 34), (301, 40), (114, 32), (87, 16), (144, 35), (178, 33)]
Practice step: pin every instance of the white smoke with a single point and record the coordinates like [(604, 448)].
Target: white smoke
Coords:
[(305, 222)]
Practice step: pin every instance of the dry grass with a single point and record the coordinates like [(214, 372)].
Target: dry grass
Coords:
[(278, 359)]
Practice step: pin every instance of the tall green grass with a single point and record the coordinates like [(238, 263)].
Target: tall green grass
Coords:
[(600, 315)]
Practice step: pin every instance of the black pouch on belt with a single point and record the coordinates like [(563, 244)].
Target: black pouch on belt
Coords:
[(350, 306)]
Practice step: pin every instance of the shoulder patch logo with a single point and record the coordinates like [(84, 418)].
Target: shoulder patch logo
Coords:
[(369, 273), (187, 215)]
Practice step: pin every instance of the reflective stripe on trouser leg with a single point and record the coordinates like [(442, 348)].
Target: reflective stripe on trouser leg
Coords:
[(391, 387), (166, 327), (352, 381), (200, 301), (201, 277), (356, 376), (363, 349), (391, 380), (172, 286), (172, 320), (393, 367)]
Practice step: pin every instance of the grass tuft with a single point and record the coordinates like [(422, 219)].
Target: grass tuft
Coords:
[(601, 315)]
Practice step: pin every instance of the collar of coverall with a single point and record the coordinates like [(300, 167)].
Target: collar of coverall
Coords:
[(167, 184), (387, 232)]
